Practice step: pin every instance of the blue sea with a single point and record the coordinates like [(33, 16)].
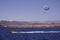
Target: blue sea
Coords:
[(5, 34)]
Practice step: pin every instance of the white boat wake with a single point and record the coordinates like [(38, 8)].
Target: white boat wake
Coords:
[(38, 32)]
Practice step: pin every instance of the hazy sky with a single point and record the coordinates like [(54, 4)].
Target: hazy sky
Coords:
[(29, 10)]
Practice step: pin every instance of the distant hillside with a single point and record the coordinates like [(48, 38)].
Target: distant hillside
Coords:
[(14, 22), (29, 24)]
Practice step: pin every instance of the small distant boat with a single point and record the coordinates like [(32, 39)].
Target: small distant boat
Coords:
[(14, 31)]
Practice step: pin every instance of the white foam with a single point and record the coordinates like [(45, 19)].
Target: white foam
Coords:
[(38, 32)]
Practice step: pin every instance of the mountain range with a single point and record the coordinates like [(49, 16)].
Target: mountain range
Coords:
[(29, 24)]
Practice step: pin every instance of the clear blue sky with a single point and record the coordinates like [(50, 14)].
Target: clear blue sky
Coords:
[(29, 10)]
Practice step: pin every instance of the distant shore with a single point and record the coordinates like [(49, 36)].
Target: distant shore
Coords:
[(24, 24)]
